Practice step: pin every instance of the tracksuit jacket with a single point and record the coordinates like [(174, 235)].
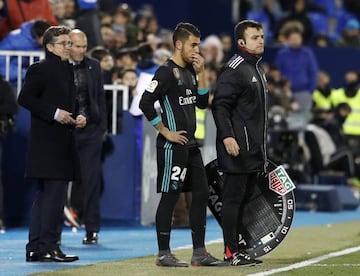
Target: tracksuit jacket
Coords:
[(240, 111)]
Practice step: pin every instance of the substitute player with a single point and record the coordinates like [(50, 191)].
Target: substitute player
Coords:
[(180, 85)]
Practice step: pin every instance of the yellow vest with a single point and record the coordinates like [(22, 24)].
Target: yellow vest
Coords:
[(200, 123), (321, 101), (351, 125)]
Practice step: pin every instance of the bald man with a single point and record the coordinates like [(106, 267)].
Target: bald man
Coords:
[(90, 102)]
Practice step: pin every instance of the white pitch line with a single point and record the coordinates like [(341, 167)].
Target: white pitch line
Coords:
[(308, 262)]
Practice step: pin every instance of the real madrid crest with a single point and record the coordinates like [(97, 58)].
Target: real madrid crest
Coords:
[(176, 73)]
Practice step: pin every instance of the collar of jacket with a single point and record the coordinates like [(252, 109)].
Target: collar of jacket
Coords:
[(52, 56), (252, 59)]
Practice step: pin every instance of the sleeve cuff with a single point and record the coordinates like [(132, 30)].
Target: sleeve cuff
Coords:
[(56, 113), (155, 121), (203, 91)]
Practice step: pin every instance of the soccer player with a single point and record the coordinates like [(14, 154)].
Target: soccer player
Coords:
[(180, 85)]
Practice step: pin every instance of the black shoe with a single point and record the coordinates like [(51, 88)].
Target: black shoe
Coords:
[(2, 227), (243, 259), (57, 256), (32, 256), (91, 238)]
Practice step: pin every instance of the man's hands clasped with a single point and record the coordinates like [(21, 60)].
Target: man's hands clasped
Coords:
[(65, 118)]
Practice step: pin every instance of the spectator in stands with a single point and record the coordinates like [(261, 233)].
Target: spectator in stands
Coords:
[(58, 8), (123, 21), (125, 58), (161, 55), (350, 35), (227, 46), (328, 146), (27, 38), (322, 41), (108, 36), (20, 11), (298, 64), (8, 108), (106, 61), (212, 50), (120, 37), (298, 13), (322, 94), (146, 62), (87, 19), (70, 8), (350, 94)]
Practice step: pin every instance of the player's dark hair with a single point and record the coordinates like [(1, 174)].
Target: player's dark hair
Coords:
[(184, 30), (240, 28)]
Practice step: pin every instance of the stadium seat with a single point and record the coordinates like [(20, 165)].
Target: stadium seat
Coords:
[(330, 6), (341, 23), (319, 23), (264, 20)]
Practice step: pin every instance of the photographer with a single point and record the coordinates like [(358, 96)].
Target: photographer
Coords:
[(8, 108)]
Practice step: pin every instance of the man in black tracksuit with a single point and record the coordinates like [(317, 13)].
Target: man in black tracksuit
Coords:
[(179, 85), (240, 114)]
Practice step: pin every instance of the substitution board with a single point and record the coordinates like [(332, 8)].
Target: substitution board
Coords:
[(268, 213)]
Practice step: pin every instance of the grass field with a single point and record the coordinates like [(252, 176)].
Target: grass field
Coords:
[(301, 244)]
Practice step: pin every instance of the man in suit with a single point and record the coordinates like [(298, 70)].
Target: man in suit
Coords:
[(91, 103), (49, 94)]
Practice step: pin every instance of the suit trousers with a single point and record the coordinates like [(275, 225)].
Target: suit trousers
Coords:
[(46, 212), (89, 142)]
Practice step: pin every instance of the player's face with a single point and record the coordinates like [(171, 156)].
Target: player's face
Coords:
[(190, 48), (254, 41)]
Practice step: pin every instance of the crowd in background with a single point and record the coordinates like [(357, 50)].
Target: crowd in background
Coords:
[(128, 42)]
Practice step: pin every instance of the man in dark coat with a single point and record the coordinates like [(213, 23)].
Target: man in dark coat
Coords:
[(49, 94), (240, 114), (91, 104)]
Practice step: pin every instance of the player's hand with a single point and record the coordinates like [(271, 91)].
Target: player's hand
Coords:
[(80, 121), (231, 146), (198, 63), (175, 136), (65, 118)]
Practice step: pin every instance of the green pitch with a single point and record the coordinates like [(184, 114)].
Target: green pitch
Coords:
[(301, 244)]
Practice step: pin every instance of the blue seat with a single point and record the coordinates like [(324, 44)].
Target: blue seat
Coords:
[(341, 23), (319, 23), (263, 18), (330, 7)]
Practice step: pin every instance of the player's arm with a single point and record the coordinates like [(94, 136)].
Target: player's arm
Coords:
[(172, 136), (224, 102), (157, 88), (202, 81)]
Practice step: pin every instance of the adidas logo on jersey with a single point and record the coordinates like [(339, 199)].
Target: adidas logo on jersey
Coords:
[(254, 79)]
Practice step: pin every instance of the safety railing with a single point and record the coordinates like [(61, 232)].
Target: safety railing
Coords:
[(32, 56)]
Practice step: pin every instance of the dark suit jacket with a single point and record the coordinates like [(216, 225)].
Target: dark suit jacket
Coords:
[(49, 85), (96, 93)]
